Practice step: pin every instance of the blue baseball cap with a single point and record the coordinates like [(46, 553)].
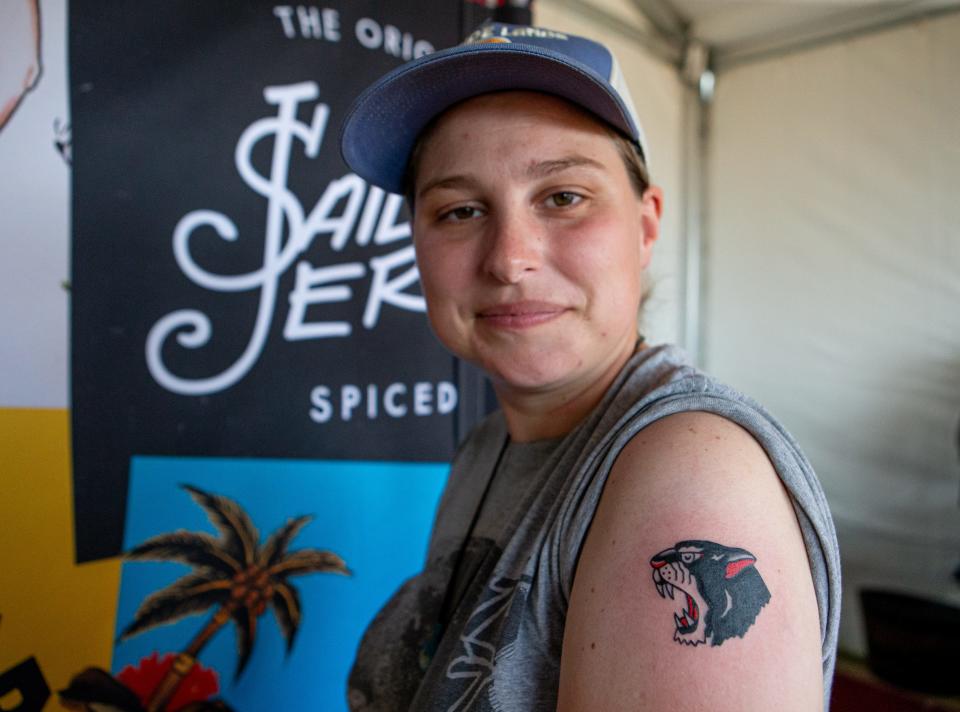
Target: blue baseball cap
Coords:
[(384, 122)]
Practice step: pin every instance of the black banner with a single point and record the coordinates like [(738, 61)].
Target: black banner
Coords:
[(236, 290)]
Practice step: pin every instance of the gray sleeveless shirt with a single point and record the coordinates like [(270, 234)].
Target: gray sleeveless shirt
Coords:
[(481, 627)]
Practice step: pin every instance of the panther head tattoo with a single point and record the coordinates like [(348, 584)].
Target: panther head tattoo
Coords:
[(721, 592)]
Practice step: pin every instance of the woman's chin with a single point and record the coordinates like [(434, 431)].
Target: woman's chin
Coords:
[(529, 375)]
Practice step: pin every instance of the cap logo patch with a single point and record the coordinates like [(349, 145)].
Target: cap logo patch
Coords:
[(502, 33)]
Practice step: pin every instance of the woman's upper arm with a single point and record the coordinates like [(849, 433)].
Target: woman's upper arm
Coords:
[(693, 589)]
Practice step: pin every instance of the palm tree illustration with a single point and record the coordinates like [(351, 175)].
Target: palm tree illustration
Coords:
[(233, 573)]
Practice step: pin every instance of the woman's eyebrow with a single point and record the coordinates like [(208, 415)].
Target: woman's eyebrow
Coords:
[(454, 181), (541, 169), (536, 169)]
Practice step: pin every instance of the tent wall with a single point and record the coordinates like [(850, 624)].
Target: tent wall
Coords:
[(833, 285), (658, 94)]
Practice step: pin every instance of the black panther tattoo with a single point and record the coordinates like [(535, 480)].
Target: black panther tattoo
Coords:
[(722, 590)]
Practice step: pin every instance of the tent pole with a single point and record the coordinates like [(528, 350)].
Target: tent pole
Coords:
[(698, 79)]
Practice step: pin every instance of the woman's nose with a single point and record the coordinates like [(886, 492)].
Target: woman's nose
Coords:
[(515, 248)]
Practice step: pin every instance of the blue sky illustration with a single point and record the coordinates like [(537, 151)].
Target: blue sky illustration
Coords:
[(376, 515)]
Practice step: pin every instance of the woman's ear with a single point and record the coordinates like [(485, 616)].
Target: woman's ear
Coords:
[(651, 208)]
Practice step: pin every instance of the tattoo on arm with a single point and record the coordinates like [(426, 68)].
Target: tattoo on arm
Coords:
[(720, 590)]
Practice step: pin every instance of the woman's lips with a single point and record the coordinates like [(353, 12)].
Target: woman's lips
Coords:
[(520, 315)]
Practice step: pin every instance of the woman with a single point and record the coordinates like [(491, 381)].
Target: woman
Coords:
[(625, 533)]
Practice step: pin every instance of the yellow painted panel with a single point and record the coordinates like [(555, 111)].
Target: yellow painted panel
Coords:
[(52, 609)]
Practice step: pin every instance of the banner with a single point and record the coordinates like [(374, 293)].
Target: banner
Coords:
[(236, 291), (261, 419)]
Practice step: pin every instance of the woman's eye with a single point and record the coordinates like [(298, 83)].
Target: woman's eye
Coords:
[(464, 212), (564, 199)]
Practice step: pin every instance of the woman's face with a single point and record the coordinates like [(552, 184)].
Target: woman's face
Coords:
[(531, 241)]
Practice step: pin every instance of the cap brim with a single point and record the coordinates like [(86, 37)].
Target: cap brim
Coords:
[(386, 119)]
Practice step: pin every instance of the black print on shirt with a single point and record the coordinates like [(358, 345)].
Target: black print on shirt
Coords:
[(721, 590)]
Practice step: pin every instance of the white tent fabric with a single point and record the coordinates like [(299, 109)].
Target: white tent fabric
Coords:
[(831, 266), (834, 284)]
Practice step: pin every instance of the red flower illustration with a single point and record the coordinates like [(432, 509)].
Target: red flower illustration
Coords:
[(200, 683)]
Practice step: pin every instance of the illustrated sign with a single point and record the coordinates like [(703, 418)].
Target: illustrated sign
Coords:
[(236, 290)]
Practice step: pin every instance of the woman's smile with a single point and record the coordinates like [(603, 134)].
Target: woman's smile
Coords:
[(518, 315)]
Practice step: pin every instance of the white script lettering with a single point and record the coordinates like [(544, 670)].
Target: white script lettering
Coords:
[(335, 214)]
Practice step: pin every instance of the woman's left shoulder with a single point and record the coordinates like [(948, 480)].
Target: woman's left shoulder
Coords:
[(707, 442), (698, 473), (694, 560)]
